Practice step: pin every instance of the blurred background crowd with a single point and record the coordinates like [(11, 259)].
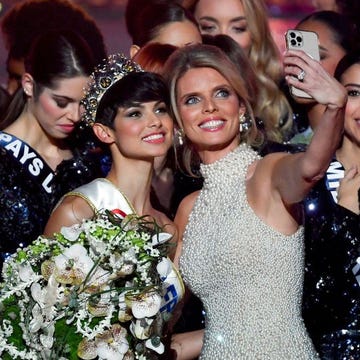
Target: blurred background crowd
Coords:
[(109, 15)]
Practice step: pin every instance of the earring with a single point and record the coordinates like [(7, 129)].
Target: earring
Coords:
[(242, 120), (245, 122), (26, 91), (179, 135)]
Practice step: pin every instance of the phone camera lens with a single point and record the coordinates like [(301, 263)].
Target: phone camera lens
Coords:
[(293, 42), (292, 35), (299, 39)]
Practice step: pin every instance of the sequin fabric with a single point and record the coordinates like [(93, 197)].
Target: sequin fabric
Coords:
[(248, 276), (25, 206), (331, 306)]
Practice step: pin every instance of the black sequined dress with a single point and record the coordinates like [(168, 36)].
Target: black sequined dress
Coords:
[(331, 306), (25, 205)]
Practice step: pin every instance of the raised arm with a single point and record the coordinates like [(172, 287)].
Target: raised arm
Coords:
[(294, 175)]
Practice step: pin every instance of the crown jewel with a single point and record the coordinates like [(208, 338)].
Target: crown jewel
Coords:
[(114, 68)]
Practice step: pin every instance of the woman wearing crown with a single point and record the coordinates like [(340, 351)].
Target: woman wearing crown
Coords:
[(128, 111)]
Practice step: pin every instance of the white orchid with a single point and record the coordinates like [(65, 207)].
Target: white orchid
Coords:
[(45, 298), (124, 313), (145, 305), (102, 305), (164, 268), (73, 266), (76, 285), (112, 344)]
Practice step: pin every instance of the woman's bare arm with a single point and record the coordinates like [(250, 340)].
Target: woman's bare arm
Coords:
[(72, 210), (181, 219), (294, 175), (187, 345)]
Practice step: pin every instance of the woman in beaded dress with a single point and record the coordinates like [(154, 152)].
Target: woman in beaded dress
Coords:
[(331, 305), (130, 117), (40, 155), (242, 248)]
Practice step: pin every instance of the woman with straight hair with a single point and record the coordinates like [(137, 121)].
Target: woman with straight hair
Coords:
[(40, 158), (242, 248)]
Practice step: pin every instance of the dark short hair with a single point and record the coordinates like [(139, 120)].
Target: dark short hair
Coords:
[(134, 88)]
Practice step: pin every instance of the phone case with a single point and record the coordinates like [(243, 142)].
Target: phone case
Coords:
[(308, 42)]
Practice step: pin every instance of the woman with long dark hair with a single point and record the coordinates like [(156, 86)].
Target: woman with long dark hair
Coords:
[(39, 161)]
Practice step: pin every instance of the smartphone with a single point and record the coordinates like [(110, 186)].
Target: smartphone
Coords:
[(307, 41)]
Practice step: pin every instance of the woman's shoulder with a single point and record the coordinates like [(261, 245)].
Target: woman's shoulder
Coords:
[(77, 171), (189, 200), (185, 207)]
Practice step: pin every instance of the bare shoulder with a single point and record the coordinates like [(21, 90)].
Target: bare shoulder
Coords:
[(184, 209), (262, 169), (71, 210), (188, 202)]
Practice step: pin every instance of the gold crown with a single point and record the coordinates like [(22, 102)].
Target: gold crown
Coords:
[(114, 68)]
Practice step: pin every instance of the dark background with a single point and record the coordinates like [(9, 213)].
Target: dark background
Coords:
[(109, 15)]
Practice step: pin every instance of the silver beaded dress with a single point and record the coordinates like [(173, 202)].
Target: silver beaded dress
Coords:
[(248, 276)]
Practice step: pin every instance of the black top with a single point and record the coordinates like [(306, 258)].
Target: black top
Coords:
[(25, 203), (331, 306)]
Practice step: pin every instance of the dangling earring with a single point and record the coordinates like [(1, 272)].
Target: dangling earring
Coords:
[(179, 135), (242, 120), (245, 122)]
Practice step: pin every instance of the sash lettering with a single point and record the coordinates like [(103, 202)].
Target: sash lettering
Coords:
[(30, 160), (356, 270), (334, 174)]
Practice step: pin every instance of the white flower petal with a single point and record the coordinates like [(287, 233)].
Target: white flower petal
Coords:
[(46, 341), (147, 305), (36, 293), (26, 273), (141, 328), (71, 233), (164, 268), (161, 238)]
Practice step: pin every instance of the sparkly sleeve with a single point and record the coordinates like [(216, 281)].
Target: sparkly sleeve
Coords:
[(79, 170), (345, 221)]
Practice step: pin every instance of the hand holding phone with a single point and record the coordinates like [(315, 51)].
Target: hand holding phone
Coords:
[(309, 43)]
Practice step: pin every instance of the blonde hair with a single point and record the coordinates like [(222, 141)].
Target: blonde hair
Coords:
[(199, 56), (273, 107)]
